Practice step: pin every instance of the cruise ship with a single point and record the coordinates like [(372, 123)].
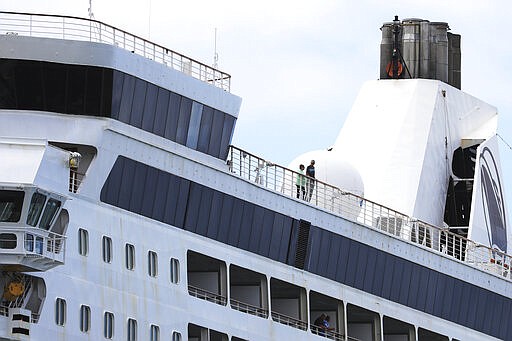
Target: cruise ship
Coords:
[(126, 213)]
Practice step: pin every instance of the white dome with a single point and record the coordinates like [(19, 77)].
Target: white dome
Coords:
[(331, 168)]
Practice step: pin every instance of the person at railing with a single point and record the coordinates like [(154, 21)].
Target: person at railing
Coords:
[(326, 325), (319, 323), (301, 183), (310, 172)]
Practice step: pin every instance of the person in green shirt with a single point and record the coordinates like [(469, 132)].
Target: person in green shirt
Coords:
[(301, 183)]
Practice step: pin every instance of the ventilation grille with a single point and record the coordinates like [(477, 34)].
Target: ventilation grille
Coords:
[(302, 244)]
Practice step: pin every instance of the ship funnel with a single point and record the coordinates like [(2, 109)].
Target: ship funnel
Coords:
[(417, 48)]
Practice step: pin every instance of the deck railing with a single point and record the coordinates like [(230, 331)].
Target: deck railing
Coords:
[(75, 28), (289, 321), (248, 308), (366, 212), (330, 334), (206, 295)]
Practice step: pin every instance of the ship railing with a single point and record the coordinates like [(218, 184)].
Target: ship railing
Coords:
[(248, 308), (330, 334), (289, 321), (450, 242), (32, 242), (75, 180), (206, 295), (4, 310), (75, 28)]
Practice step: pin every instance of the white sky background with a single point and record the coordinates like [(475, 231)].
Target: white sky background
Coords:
[(298, 65)]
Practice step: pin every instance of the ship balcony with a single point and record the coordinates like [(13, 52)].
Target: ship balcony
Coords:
[(32, 229), (30, 249)]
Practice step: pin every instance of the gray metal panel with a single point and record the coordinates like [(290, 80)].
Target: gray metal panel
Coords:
[(125, 192), (285, 239), (387, 279), (313, 249), (276, 235), (173, 113), (256, 227), (205, 129), (439, 296), (405, 283), (225, 218), (216, 134), (334, 251), (379, 274), (342, 260), (360, 268), (451, 283), (371, 265), (171, 202), (181, 205), (194, 125), (324, 251), (266, 233), (227, 135)]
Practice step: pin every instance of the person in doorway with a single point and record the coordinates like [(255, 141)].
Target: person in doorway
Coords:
[(301, 183), (310, 172)]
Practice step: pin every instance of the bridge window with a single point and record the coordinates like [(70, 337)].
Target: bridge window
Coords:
[(11, 203), (8, 241), (52, 206), (35, 209)]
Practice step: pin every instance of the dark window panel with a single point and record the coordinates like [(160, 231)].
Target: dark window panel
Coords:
[(139, 179), (150, 189), (181, 206), (276, 235), (173, 113), (405, 283), (292, 247), (431, 291), (183, 120), (194, 124), (256, 228), (236, 222), (93, 78), (350, 275), (205, 129), (227, 135), (172, 200), (342, 260), (29, 86), (216, 134), (245, 230), (422, 292), (325, 245), (194, 203), (396, 279), (117, 93), (76, 90), (225, 218), (161, 191), (148, 116), (266, 233), (126, 184), (332, 260), (139, 97), (285, 239), (204, 211), (8, 84), (112, 187), (162, 105), (54, 83), (125, 108), (371, 262), (361, 267), (215, 214), (448, 297), (106, 93)]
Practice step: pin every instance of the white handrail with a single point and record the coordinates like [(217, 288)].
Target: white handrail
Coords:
[(362, 211), (74, 28)]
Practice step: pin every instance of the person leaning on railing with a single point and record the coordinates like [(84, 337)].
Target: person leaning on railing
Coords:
[(301, 183)]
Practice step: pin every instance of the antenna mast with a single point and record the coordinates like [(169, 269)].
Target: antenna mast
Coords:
[(215, 54), (91, 15)]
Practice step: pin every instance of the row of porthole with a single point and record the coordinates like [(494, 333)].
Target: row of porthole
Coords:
[(108, 323), (83, 250)]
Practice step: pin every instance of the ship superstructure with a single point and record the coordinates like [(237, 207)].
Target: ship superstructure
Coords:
[(125, 214)]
